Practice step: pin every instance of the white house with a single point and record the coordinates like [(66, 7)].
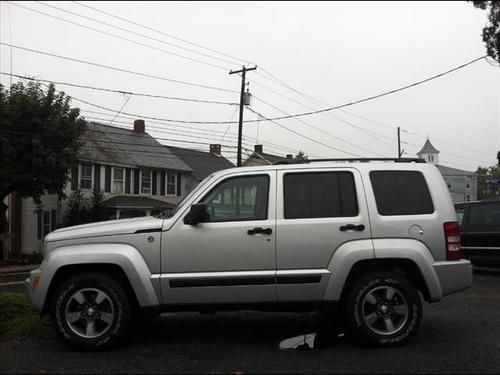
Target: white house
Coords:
[(137, 175), (462, 185)]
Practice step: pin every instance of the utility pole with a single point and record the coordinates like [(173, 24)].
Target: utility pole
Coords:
[(242, 98), (399, 142)]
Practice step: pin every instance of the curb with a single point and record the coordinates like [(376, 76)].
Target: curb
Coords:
[(17, 268)]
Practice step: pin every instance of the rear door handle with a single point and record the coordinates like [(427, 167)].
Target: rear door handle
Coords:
[(259, 231), (358, 228)]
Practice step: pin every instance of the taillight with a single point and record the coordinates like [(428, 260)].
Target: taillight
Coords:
[(452, 238)]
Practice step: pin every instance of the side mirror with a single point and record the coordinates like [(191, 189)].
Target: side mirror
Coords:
[(197, 214)]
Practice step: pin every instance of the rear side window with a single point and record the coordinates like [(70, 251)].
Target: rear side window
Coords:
[(321, 194), (485, 216), (460, 215), (401, 193)]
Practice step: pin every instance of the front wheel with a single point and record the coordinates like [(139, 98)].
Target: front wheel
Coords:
[(383, 309), (90, 311)]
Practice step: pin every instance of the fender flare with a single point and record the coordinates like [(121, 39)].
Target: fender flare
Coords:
[(350, 253), (125, 256)]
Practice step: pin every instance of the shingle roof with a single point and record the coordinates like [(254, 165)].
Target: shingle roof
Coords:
[(270, 158), (428, 149), (110, 144), (202, 163), (447, 171)]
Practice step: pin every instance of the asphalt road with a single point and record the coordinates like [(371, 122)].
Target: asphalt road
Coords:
[(458, 335)]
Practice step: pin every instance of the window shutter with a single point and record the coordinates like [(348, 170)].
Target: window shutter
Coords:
[(39, 215), (97, 177), (154, 180), (53, 220), (162, 183), (74, 178), (179, 192), (127, 181), (136, 181), (107, 179)]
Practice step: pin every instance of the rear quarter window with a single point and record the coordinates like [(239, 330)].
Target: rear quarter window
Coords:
[(401, 193)]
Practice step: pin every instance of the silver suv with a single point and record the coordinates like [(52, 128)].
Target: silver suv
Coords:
[(367, 238)]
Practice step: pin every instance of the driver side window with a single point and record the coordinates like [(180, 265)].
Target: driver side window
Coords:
[(238, 199)]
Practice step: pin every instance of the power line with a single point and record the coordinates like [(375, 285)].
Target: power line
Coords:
[(118, 91), (136, 33), (118, 69), (328, 114), (162, 33), (444, 142), (165, 130), (318, 129), (383, 93), (118, 37), (302, 135), (145, 36)]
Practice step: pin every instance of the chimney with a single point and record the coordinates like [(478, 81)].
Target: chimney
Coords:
[(258, 149), (139, 126), (215, 149), (289, 156)]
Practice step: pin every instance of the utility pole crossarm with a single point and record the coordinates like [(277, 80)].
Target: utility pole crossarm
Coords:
[(242, 95)]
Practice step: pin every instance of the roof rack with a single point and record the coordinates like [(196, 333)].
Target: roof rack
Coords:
[(351, 160)]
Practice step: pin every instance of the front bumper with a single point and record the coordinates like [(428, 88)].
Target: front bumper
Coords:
[(34, 286), (454, 276)]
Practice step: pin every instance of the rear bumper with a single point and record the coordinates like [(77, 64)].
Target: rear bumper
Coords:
[(454, 276)]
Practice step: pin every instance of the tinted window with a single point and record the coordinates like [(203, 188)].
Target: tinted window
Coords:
[(460, 215), (485, 216), (312, 195), (401, 193), (239, 198)]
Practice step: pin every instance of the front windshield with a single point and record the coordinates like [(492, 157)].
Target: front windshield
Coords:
[(172, 211)]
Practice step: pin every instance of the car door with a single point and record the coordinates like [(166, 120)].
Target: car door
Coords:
[(318, 210), (231, 258)]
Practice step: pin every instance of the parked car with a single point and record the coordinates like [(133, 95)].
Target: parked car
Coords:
[(480, 231), (365, 239)]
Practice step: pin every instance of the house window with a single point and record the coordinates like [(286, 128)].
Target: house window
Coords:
[(146, 182), (118, 180), (46, 223), (171, 183), (86, 176), (468, 198), (449, 184), (467, 184)]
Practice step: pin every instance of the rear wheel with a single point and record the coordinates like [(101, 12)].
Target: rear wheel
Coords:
[(383, 309), (90, 311)]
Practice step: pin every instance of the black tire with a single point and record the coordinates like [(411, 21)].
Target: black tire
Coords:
[(90, 311), (383, 309)]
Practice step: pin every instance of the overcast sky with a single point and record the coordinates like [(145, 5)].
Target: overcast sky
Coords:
[(334, 52)]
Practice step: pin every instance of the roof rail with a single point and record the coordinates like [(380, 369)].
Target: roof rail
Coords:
[(351, 160)]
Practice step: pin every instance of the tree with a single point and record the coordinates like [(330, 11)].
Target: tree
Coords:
[(301, 156), (491, 32), (488, 182), (84, 209), (39, 141)]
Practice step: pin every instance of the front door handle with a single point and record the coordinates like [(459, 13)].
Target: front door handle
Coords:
[(358, 228), (259, 231)]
